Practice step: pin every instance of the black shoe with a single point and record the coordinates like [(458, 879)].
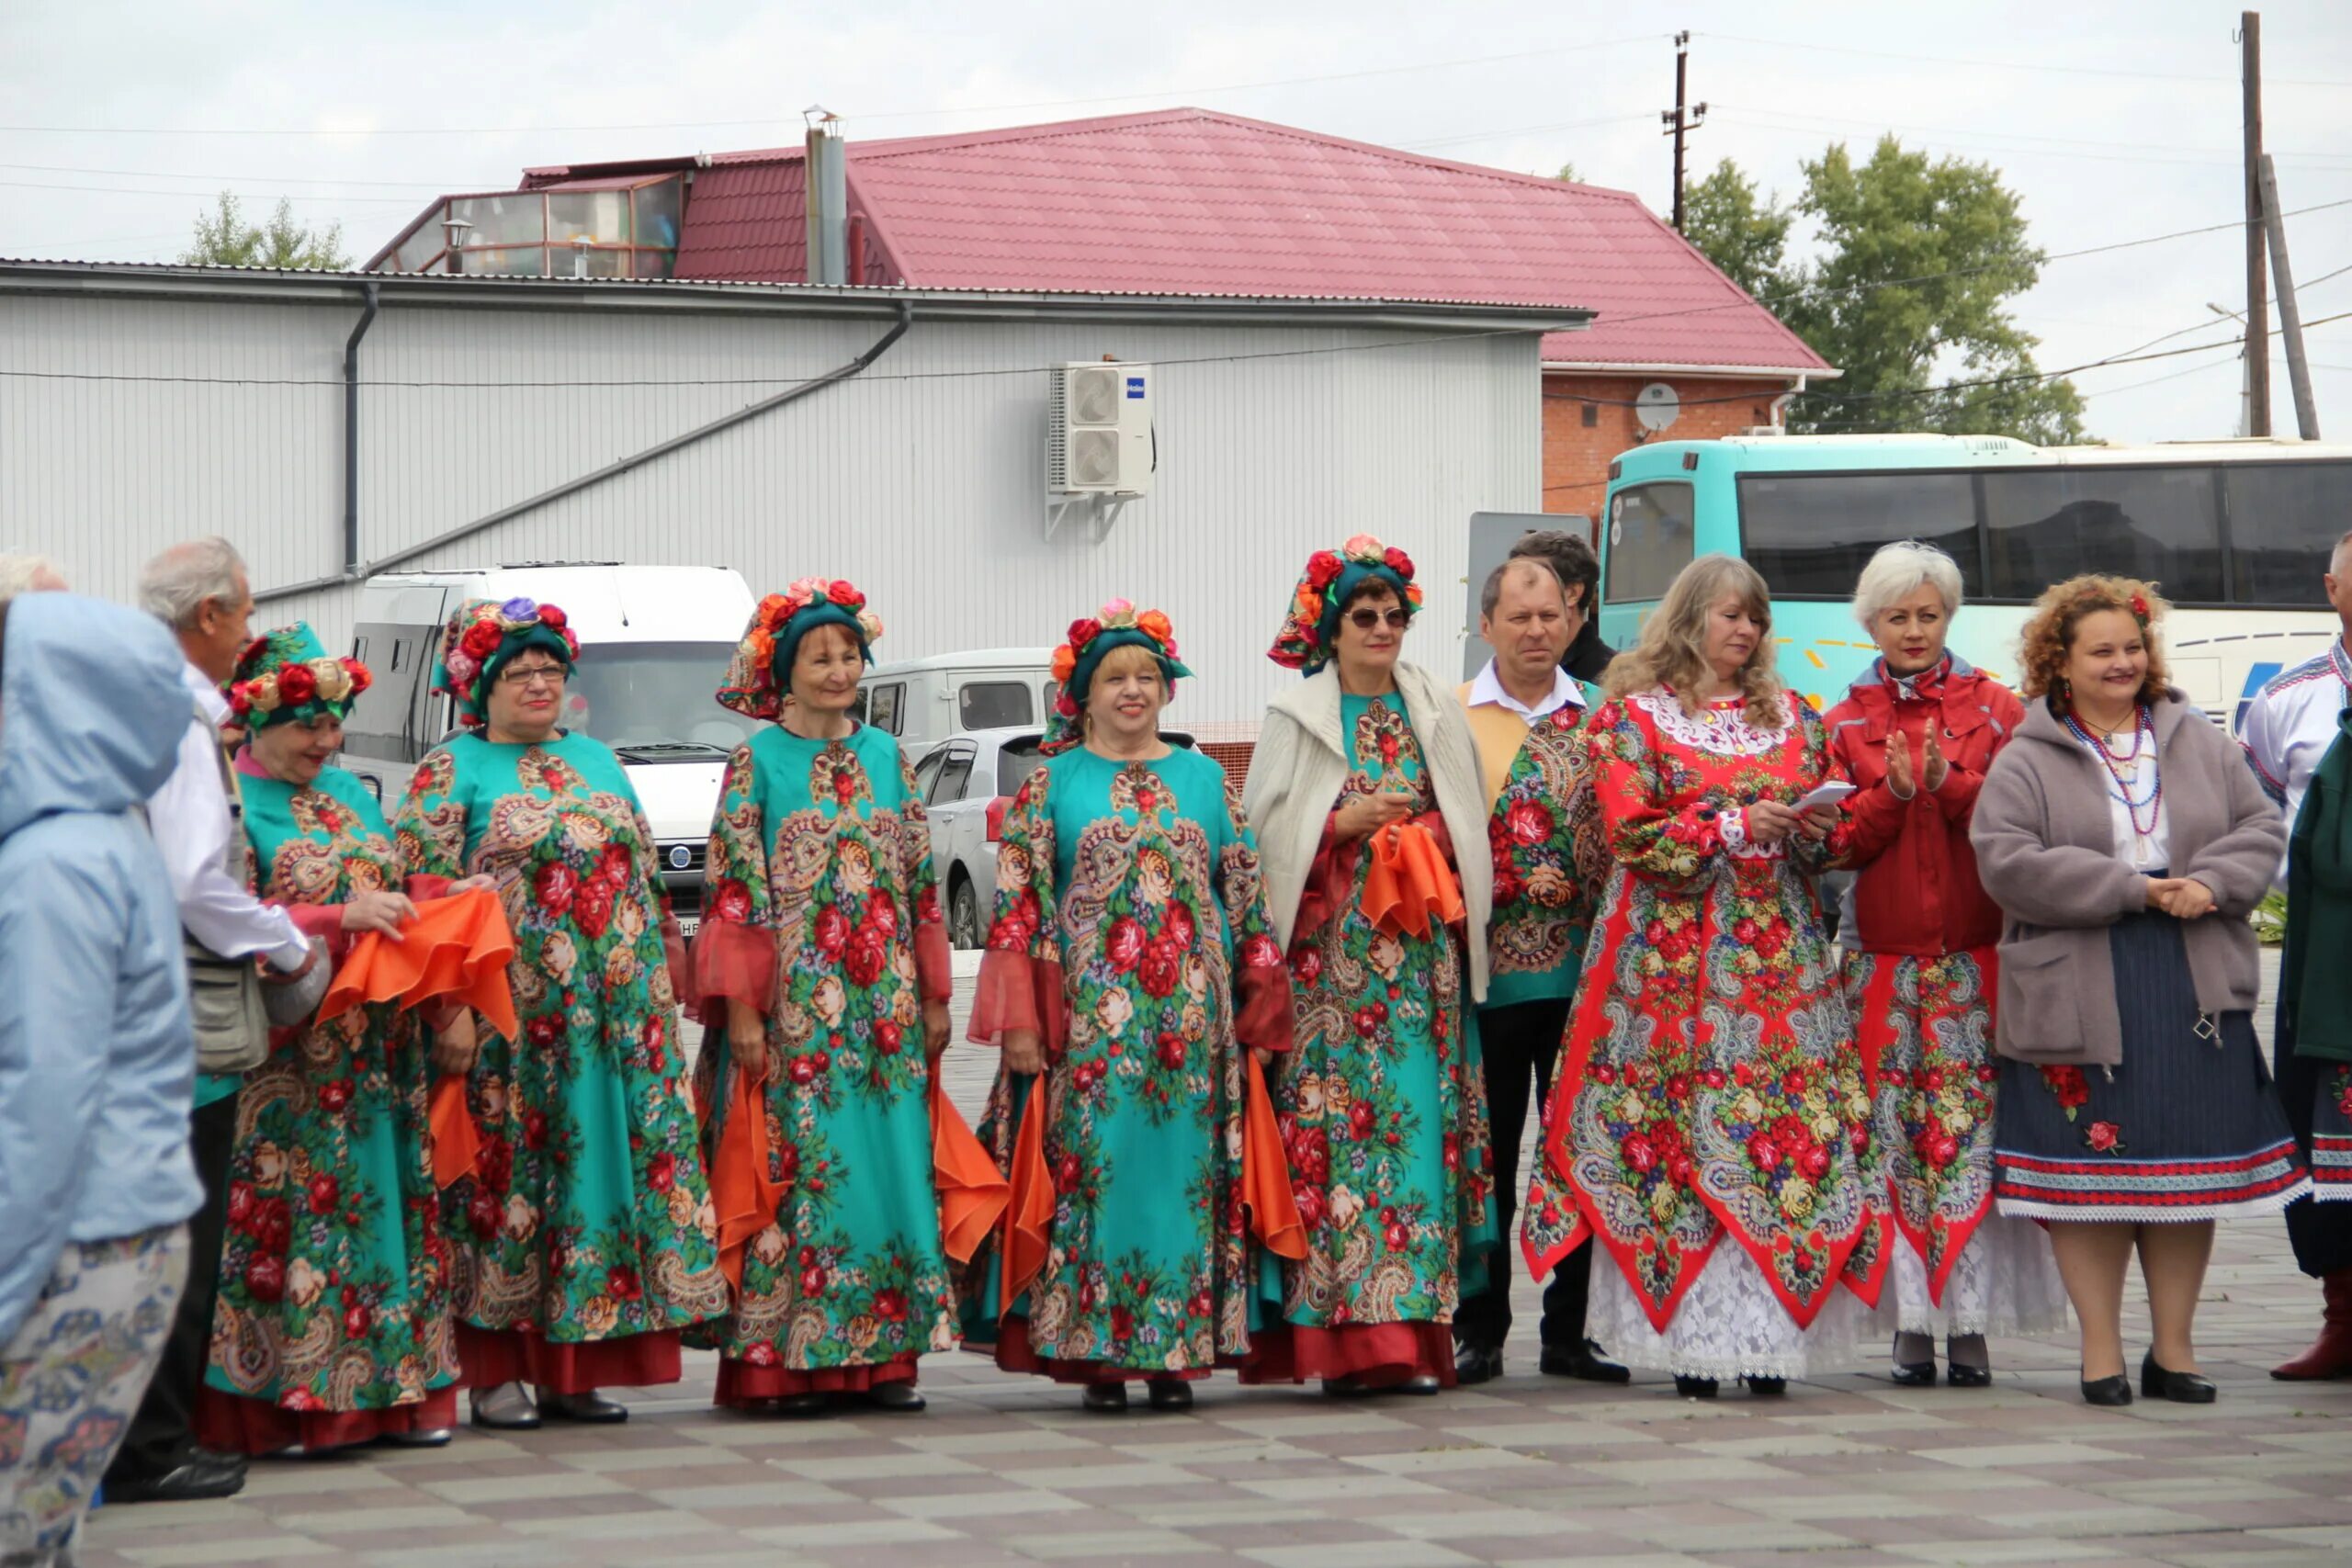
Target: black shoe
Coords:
[(1767, 1388), (1583, 1360), (2113, 1393), (902, 1398), (589, 1409), (1694, 1388), (1106, 1398), (1427, 1383), (1169, 1394), (204, 1477), (419, 1438), (2181, 1388), (803, 1406), (1960, 1374), (1348, 1386), (1477, 1364), (1915, 1374)]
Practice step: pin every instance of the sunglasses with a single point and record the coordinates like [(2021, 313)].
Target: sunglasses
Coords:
[(1365, 620)]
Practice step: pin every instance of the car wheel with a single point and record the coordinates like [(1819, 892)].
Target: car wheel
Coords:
[(963, 915)]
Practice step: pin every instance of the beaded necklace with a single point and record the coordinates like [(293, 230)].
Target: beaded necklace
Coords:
[(2119, 782)]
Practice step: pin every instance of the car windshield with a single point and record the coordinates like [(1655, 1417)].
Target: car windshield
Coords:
[(655, 699)]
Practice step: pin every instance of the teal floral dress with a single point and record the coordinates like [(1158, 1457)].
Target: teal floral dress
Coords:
[(1131, 934), (823, 914), (585, 1239), (1382, 1110), (332, 1325)]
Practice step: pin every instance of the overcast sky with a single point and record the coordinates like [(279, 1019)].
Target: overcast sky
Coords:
[(2114, 121)]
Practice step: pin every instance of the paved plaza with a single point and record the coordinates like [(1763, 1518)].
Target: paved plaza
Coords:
[(1846, 1471)]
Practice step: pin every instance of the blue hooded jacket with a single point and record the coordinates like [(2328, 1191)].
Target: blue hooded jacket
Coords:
[(97, 1057)]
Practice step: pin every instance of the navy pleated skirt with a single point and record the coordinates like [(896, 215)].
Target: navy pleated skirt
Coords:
[(2187, 1128)]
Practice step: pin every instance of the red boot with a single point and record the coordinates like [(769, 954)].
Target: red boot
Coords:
[(2331, 1355)]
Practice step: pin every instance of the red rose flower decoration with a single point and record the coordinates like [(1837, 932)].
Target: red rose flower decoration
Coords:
[(593, 908), (241, 1204), (296, 684), (1323, 569), (1529, 821), (361, 677), (241, 701), (1125, 943), (534, 1130), (324, 1192), (1083, 631), (830, 930), (869, 951), (555, 886), (661, 1172), (356, 1320), (1398, 561), (2104, 1136), (733, 902), (265, 1277), (552, 616), (481, 640), (622, 1285), (891, 1306), (1159, 969), (842, 591)]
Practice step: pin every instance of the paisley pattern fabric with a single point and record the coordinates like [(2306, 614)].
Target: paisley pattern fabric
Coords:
[(335, 1278), (70, 1381), (587, 1218), (821, 882), (1130, 932), (1712, 1085), (1549, 862), (1380, 1104)]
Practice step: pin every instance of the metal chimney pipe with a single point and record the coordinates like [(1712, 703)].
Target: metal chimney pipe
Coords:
[(827, 170)]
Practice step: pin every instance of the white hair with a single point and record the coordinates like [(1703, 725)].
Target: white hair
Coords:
[(2336, 556), (25, 574), (186, 578), (1897, 572)]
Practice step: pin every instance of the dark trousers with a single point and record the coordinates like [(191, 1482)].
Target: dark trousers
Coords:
[(2319, 1233), (1518, 1043), (162, 1434)]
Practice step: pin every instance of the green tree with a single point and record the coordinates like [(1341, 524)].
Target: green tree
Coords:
[(223, 238), (1568, 174), (1918, 260), (1747, 238)]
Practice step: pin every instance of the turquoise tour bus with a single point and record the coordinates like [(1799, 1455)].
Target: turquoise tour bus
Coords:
[(2237, 534)]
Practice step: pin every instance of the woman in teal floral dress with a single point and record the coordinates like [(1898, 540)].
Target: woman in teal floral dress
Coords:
[(584, 1240), (822, 932), (1381, 1104), (1128, 966), (333, 1323)]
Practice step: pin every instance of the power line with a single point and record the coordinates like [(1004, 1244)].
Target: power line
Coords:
[(2051, 146), (245, 179), (2011, 64), (1157, 93), (186, 195)]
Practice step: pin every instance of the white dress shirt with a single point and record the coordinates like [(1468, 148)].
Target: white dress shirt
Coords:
[(2289, 725), (1488, 688), (190, 817)]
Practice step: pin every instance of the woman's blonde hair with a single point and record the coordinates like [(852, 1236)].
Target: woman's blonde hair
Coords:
[(1672, 651), (2047, 640)]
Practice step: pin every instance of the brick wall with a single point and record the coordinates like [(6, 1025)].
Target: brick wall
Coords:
[(1576, 454)]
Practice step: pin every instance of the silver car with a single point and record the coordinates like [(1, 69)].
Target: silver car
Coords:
[(965, 781)]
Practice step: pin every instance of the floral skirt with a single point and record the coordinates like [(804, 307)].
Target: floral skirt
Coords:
[(2186, 1128), (2332, 1134)]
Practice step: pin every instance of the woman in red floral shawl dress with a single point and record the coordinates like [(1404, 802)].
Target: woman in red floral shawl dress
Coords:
[(1711, 1124)]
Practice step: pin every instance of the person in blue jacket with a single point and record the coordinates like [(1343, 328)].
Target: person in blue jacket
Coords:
[(98, 1056)]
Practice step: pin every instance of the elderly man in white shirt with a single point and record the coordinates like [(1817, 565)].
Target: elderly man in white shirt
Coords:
[(201, 591)]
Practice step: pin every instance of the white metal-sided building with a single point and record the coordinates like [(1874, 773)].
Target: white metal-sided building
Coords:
[(335, 424)]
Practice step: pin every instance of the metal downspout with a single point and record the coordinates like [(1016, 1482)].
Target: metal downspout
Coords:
[(351, 433), (676, 443)]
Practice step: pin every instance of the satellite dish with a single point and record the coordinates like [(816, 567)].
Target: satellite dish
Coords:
[(1656, 406)]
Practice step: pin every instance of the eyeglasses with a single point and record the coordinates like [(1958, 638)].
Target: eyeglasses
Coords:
[(1366, 619), (533, 674)]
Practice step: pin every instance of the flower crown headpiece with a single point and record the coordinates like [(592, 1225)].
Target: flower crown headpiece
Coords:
[(285, 676), (1310, 627), (1117, 624), (759, 678), (480, 631)]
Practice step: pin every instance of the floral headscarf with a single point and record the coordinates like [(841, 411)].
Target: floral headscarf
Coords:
[(1311, 628), (287, 677), (759, 679), (1118, 625), (483, 636)]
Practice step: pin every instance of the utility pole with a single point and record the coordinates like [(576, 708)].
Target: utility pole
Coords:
[(2257, 304), (1683, 119), (2290, 316)]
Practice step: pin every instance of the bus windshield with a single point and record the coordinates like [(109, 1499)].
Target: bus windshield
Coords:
[(655, 700)]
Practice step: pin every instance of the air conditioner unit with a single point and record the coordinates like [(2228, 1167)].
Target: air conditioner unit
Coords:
[(1098, 438)]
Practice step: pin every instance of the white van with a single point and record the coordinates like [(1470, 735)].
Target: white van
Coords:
[(924, 701), (654, 645)]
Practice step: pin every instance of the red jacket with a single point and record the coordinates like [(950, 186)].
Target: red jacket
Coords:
[(1917, 894)]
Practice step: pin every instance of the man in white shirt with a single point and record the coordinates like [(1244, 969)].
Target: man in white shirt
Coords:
[(1516, 702), (200, 591), (2288, 727)]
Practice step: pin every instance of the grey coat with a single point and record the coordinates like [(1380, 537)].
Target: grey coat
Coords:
[(2045, 848)]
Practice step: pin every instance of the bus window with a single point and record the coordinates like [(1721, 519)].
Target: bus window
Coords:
[(1812, 535), (1650, 538), (2284, 521), (2158, 524)]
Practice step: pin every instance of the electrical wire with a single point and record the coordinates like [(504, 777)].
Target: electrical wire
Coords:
[(2010, 64)]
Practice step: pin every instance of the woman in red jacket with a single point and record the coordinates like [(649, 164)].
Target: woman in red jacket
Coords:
[(1919, 971)]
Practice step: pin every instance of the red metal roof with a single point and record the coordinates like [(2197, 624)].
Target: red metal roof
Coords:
[(1194, 201)]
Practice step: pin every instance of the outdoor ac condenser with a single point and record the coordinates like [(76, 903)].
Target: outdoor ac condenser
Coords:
[(1097, 440)]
